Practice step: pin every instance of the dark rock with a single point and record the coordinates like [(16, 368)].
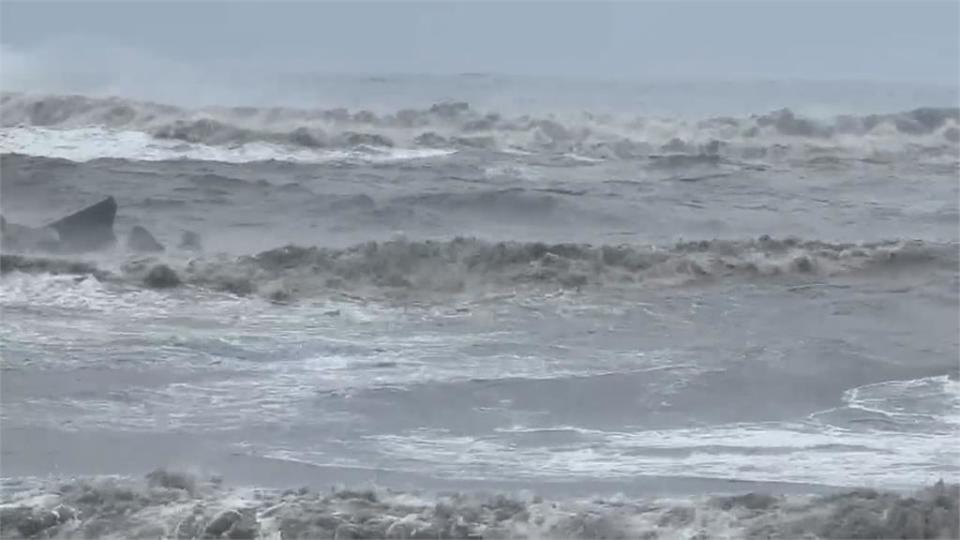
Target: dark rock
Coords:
[(161, 276), (89, 229), (141, 240)]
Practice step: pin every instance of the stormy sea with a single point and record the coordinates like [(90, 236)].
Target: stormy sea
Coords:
[(482, 308)]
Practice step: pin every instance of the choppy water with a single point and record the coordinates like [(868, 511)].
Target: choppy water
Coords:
[(454, 298)]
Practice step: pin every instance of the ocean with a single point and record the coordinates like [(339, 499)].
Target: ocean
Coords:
[(481, 306)]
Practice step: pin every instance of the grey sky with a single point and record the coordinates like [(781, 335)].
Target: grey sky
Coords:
[(913, 41)]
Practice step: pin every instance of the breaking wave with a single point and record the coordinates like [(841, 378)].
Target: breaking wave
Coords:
[(407, 267), (456, 125), (176, 505), (89, 143)]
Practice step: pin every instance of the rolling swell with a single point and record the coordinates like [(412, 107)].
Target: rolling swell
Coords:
[(177, 505), (465, 265), (457, 125)]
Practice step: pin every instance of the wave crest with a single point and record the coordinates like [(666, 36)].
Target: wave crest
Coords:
[(464, 265), (458, 125)]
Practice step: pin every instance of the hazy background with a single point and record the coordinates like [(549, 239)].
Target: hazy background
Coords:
[(181, 51)]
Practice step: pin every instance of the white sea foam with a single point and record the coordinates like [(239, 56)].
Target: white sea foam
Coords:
[(173, 504), (89, 143), (786, 452)]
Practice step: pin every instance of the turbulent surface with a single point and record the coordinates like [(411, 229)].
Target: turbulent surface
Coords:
[(639, 317), (467, 264), (177, 505), (777, 135)]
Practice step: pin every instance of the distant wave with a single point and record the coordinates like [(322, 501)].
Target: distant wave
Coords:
[(456, 125), (177, 505), (466, 265), (90, 143)]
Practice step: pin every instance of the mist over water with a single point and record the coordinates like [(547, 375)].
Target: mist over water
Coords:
[(462, 301)]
